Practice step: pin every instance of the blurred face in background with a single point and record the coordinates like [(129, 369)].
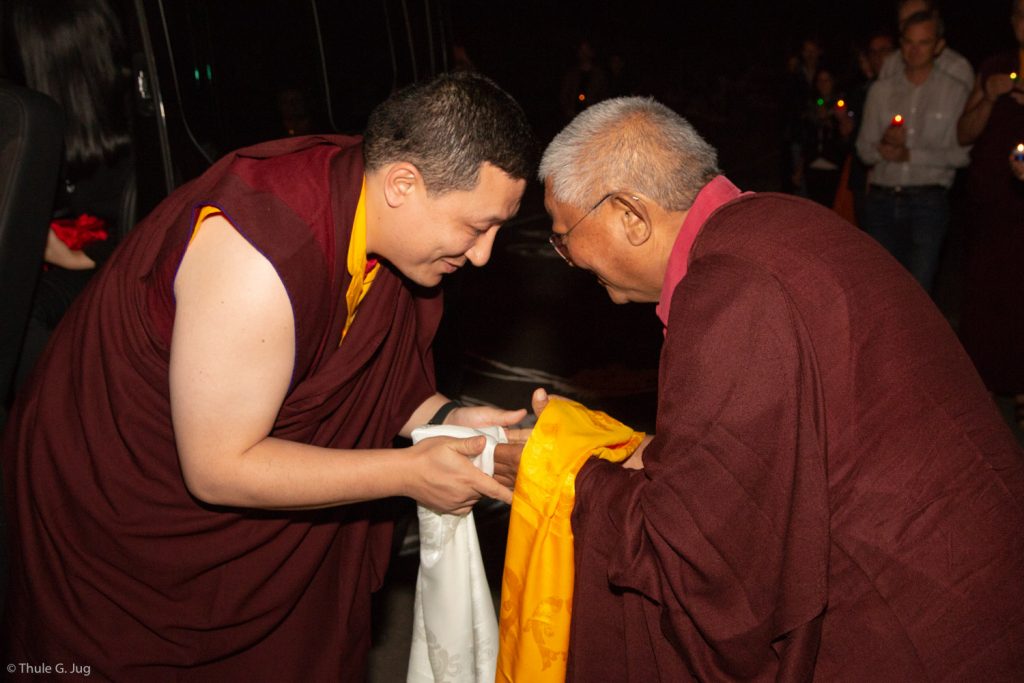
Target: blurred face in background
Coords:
[(920, 44), (1017, 22), (878, 49), (824, 83)]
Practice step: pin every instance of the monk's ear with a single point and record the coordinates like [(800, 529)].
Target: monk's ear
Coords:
[(401, 180), (635, 218)]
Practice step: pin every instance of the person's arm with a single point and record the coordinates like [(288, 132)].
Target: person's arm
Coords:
[(463, 416), (232, 354), (871, 128), (979, 106), (60, 254)]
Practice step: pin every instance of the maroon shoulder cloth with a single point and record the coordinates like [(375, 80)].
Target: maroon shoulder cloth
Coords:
[(114, 564), (830, 494)]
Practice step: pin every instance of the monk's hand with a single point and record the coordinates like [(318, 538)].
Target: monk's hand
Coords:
[(997, 85), (444, 479), (636, 460), (506, 463), (484, 416), (539, 400)]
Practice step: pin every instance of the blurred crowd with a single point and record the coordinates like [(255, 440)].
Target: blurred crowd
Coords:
[(900, 134)]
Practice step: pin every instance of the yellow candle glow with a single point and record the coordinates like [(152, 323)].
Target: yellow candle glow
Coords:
[(841, 103), (1013, 76), (897, 120)]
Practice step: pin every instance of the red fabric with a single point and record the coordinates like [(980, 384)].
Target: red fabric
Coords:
[(115, 565), (713, 195), (830, 493), (80, 231)]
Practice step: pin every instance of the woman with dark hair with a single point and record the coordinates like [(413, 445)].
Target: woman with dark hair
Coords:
[(825, 137), (72, 50)]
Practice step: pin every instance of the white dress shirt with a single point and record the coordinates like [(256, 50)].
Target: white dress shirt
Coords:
[(949, 62), (930, 112)]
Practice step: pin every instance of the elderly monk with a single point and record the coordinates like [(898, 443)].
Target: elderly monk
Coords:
[(830, 494), (189, 478)]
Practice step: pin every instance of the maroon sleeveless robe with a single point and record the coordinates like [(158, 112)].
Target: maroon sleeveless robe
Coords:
[(114, 564)]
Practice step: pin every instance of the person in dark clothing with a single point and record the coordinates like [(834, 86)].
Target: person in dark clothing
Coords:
[(73, 51), (991, 325)]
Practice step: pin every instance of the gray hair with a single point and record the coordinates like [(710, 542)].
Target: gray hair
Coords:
[(630, 144)]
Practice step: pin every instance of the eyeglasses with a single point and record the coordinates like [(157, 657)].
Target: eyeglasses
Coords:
[(558, 239)]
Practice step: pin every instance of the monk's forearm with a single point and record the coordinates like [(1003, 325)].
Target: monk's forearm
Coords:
[(423, 413), (281, 474)]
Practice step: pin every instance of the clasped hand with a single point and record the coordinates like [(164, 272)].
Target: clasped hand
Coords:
[(998, 85)]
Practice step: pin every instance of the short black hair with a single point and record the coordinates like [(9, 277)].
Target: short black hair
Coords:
[(448, 127)]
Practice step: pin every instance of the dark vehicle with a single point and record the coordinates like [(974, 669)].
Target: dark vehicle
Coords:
[(210, 77)]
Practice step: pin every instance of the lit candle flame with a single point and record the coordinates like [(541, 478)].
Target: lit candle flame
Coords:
[(1013, 76), (841, 103), (897, 120), (1020, 148)]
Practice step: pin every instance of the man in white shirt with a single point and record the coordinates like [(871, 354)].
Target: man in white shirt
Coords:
[(908, 137)]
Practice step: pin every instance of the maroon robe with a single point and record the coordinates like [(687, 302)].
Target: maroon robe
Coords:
[(831, 493), (115, 564)]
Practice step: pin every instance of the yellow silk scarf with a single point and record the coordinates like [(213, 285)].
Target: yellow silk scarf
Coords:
[(537, 584), (361, 279)]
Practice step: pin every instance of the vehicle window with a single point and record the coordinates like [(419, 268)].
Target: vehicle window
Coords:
[(251, 70)]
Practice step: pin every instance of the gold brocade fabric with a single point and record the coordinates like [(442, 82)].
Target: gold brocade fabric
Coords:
[(537, 584)]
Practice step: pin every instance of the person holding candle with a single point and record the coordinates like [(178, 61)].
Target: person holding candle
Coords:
[(825, 138), (908, 138), (830, 494), (877, 48), (992, 324)]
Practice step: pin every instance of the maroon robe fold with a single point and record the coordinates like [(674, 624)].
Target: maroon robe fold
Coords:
[(831, 493), (114, 564)]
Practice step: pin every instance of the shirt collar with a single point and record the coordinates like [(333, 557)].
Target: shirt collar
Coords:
[(713, 195)]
